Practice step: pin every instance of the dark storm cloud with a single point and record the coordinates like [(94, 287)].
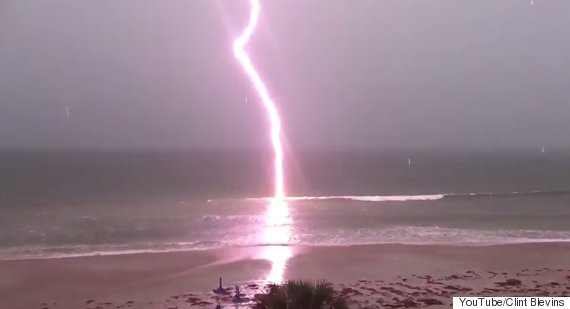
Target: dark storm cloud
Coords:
[(374, 74)]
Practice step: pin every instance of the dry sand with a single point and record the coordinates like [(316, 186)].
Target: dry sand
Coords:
[(372, 276)]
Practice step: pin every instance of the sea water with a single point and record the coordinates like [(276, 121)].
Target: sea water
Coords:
[(70, 203)]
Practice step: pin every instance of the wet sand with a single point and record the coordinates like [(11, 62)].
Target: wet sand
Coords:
[(393, 276)]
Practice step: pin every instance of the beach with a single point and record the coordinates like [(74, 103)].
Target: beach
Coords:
[(388, 275)]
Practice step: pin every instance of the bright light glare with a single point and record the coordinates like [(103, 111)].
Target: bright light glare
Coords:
[(277, 233)]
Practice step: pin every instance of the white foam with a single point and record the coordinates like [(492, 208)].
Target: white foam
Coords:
[(361, 198)]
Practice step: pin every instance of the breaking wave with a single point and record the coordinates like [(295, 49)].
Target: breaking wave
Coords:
[(406, 198), (374, 198), (405, 235)]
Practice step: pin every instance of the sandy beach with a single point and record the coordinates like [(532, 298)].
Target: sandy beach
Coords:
[(394, 276)]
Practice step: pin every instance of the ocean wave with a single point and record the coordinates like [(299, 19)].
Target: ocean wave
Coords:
[(428, 235), (506, 194), (407, 198), (361, 198), (67, 251), (404, 235), (230, 218), (373, 198)]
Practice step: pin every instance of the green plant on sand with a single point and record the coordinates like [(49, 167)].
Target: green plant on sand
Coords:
[(300, 295)]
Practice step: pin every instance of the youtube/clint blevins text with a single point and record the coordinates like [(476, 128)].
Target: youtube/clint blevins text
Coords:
[(511, 302)]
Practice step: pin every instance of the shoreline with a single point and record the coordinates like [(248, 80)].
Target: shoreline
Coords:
[(189, 250), (146, 278)]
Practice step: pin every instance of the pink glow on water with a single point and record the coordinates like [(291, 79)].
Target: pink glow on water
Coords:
[(277, 224), (277, 231), (269, 105), (278, 255)]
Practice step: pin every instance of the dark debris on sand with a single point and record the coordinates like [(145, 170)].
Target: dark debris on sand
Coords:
[(424, 291), (416, 291)]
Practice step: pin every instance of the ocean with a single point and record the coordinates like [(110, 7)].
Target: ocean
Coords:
[(70, 203)]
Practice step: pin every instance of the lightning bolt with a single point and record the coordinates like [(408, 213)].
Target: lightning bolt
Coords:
[(269, 105)]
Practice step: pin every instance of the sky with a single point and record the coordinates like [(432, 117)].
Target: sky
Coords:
[(365, 74)]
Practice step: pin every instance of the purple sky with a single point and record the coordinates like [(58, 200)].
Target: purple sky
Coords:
[(351, 73)]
